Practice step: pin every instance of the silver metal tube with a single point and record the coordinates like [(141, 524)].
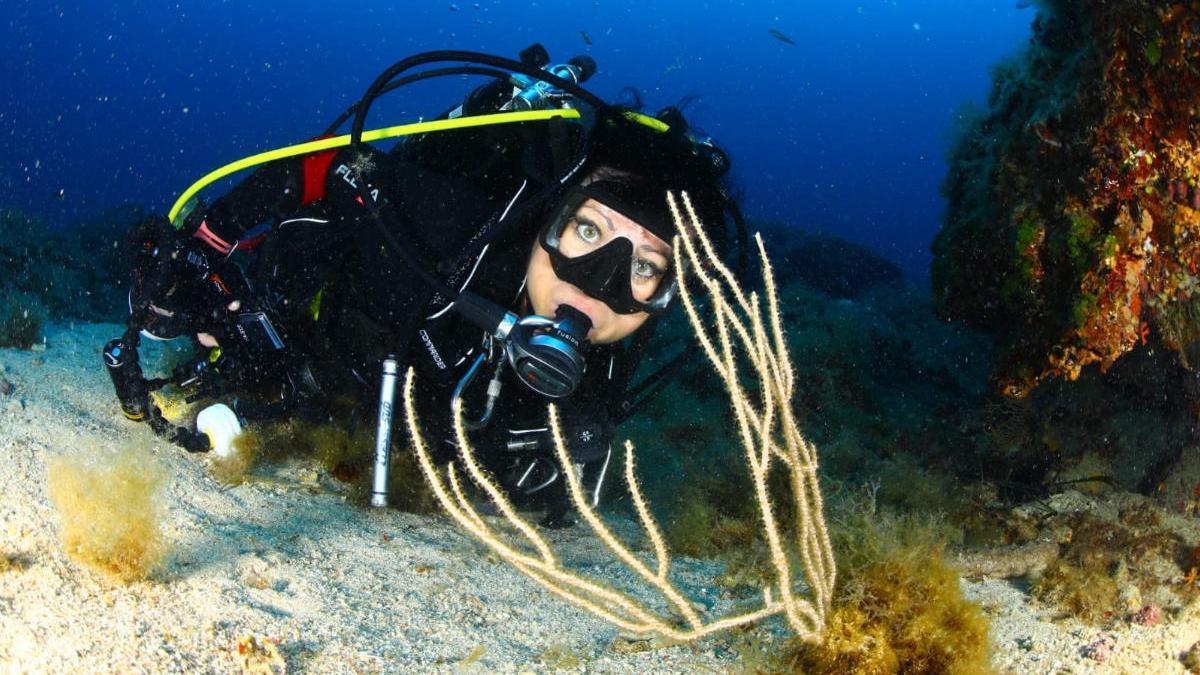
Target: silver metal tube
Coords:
[(383, 432)]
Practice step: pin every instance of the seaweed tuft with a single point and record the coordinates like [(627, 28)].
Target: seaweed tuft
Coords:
[(344, 452), (111, 510), (899, 606)]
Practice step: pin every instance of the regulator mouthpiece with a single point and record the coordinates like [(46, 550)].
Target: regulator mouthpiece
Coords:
[(547, 354)]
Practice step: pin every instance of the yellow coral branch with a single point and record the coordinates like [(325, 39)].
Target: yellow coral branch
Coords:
[(580, 501), (767, 429), (644, 515)]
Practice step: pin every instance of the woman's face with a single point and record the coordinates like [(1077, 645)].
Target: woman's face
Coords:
[(591, 226)]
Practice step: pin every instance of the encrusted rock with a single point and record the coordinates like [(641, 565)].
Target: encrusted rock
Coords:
[(1101, 648), (1129, 598), (1006, 562), (1148, 616)]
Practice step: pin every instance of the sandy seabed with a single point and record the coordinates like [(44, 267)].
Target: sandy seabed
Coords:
[(321, 584)]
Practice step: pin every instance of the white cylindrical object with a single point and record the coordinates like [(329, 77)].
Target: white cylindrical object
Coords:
[(383, 432)]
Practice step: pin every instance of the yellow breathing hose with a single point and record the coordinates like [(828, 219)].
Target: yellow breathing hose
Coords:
[(372, 135)]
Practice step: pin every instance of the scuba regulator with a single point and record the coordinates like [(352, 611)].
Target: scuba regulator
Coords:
[(533, 93), (545, 353)]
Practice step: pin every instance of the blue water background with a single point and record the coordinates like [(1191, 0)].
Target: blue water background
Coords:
[(845, 131)]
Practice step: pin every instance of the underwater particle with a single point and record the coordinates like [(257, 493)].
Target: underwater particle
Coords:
[(1101, 648), (362, 165), (916, 27), (1148, 616), (260, 656)]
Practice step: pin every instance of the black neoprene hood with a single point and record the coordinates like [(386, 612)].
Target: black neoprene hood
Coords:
[(634, 166)]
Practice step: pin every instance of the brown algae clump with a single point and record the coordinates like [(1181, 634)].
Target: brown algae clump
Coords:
[(347, 454), (110, 507), (234, 468), (899, 606)]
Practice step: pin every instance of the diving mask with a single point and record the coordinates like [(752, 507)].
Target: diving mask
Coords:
[(603, 264)]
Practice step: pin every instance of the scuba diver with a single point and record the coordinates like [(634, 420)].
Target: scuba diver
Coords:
[(514, 251)]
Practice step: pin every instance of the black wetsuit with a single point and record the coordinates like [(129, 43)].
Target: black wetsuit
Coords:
[(345, 301)]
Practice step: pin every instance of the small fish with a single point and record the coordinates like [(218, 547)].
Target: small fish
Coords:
[(781, 37), (586, 40), (61, 194)]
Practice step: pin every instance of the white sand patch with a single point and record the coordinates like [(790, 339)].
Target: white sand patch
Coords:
[(341, 588)]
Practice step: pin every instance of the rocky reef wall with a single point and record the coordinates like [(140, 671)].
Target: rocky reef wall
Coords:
[(1072, 232), (78, 272)]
